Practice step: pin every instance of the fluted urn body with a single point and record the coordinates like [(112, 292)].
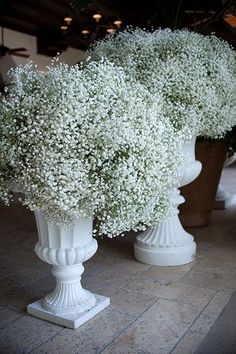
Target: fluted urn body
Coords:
[(168, 244), (66, 248)]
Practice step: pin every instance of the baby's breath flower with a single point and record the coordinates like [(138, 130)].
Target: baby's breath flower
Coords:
[(195, 75), (87, 141)]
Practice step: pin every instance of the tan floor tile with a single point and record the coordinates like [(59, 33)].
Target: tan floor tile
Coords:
[(217, 259), (225, 255), (146, 285), (44, 285), (117, 276), (116, 348), (187, 294), (18, 298), (202, 249), (10, 249), (212, 277), (230, 240), (97, 265), (90, 338), (132, 265), (119, 247), (209, 315), (28, 258), (128, 302), (24, 334), (195, 296), (20, 277), (189, 343), (6, 238), (7, 267), (204, 323), (218, 303), (223, 217), (168, 273), (7, 315), (159, 328), (213, 233)]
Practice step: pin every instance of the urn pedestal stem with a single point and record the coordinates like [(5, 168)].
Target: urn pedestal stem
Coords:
[(66, 248), (169, 244)]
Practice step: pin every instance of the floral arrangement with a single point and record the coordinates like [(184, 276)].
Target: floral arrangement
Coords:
[(195, 75), (87, 142)]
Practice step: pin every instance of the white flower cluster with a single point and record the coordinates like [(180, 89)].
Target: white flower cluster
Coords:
[(87, 141), (194, 74)]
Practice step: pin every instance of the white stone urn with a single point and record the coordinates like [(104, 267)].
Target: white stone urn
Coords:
[(168, 244), (66, 248)]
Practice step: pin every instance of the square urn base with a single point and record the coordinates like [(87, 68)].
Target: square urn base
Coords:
[(73, 320)]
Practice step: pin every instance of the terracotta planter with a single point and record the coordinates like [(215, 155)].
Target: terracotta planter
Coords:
[(200, 194)]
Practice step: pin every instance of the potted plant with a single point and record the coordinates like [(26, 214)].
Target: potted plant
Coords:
[(83, 143), (196, 77)]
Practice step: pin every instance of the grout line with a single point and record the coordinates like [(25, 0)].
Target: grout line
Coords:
[(189, 327), (194, 264), (11, 321), (122, 331), (140, 274), (49, 338), (25, 287)]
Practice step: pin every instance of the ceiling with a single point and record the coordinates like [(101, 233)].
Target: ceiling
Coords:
[(44, 18)]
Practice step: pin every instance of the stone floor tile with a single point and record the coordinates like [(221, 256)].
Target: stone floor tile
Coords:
[(88, 339), (159, 328), (222, 336), (202, 249), (117, 247), (216, 259), (222, 255), (20, 277), (7, 315), (7, 267), (212, 277), (18, 298), (44, 285), (218, 302), (22, 335), (195, 296), (6, 238), (210, 313), (114, 261), (230, 240), (187, 294), (223, 217), (189, 343), (27, 258), (129, 302), (115, 277), (203, 323), (169, 274), (213, 233), (10, 249), (146, 285), (115, 348)]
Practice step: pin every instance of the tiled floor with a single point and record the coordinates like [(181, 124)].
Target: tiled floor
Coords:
[(153, 309)]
